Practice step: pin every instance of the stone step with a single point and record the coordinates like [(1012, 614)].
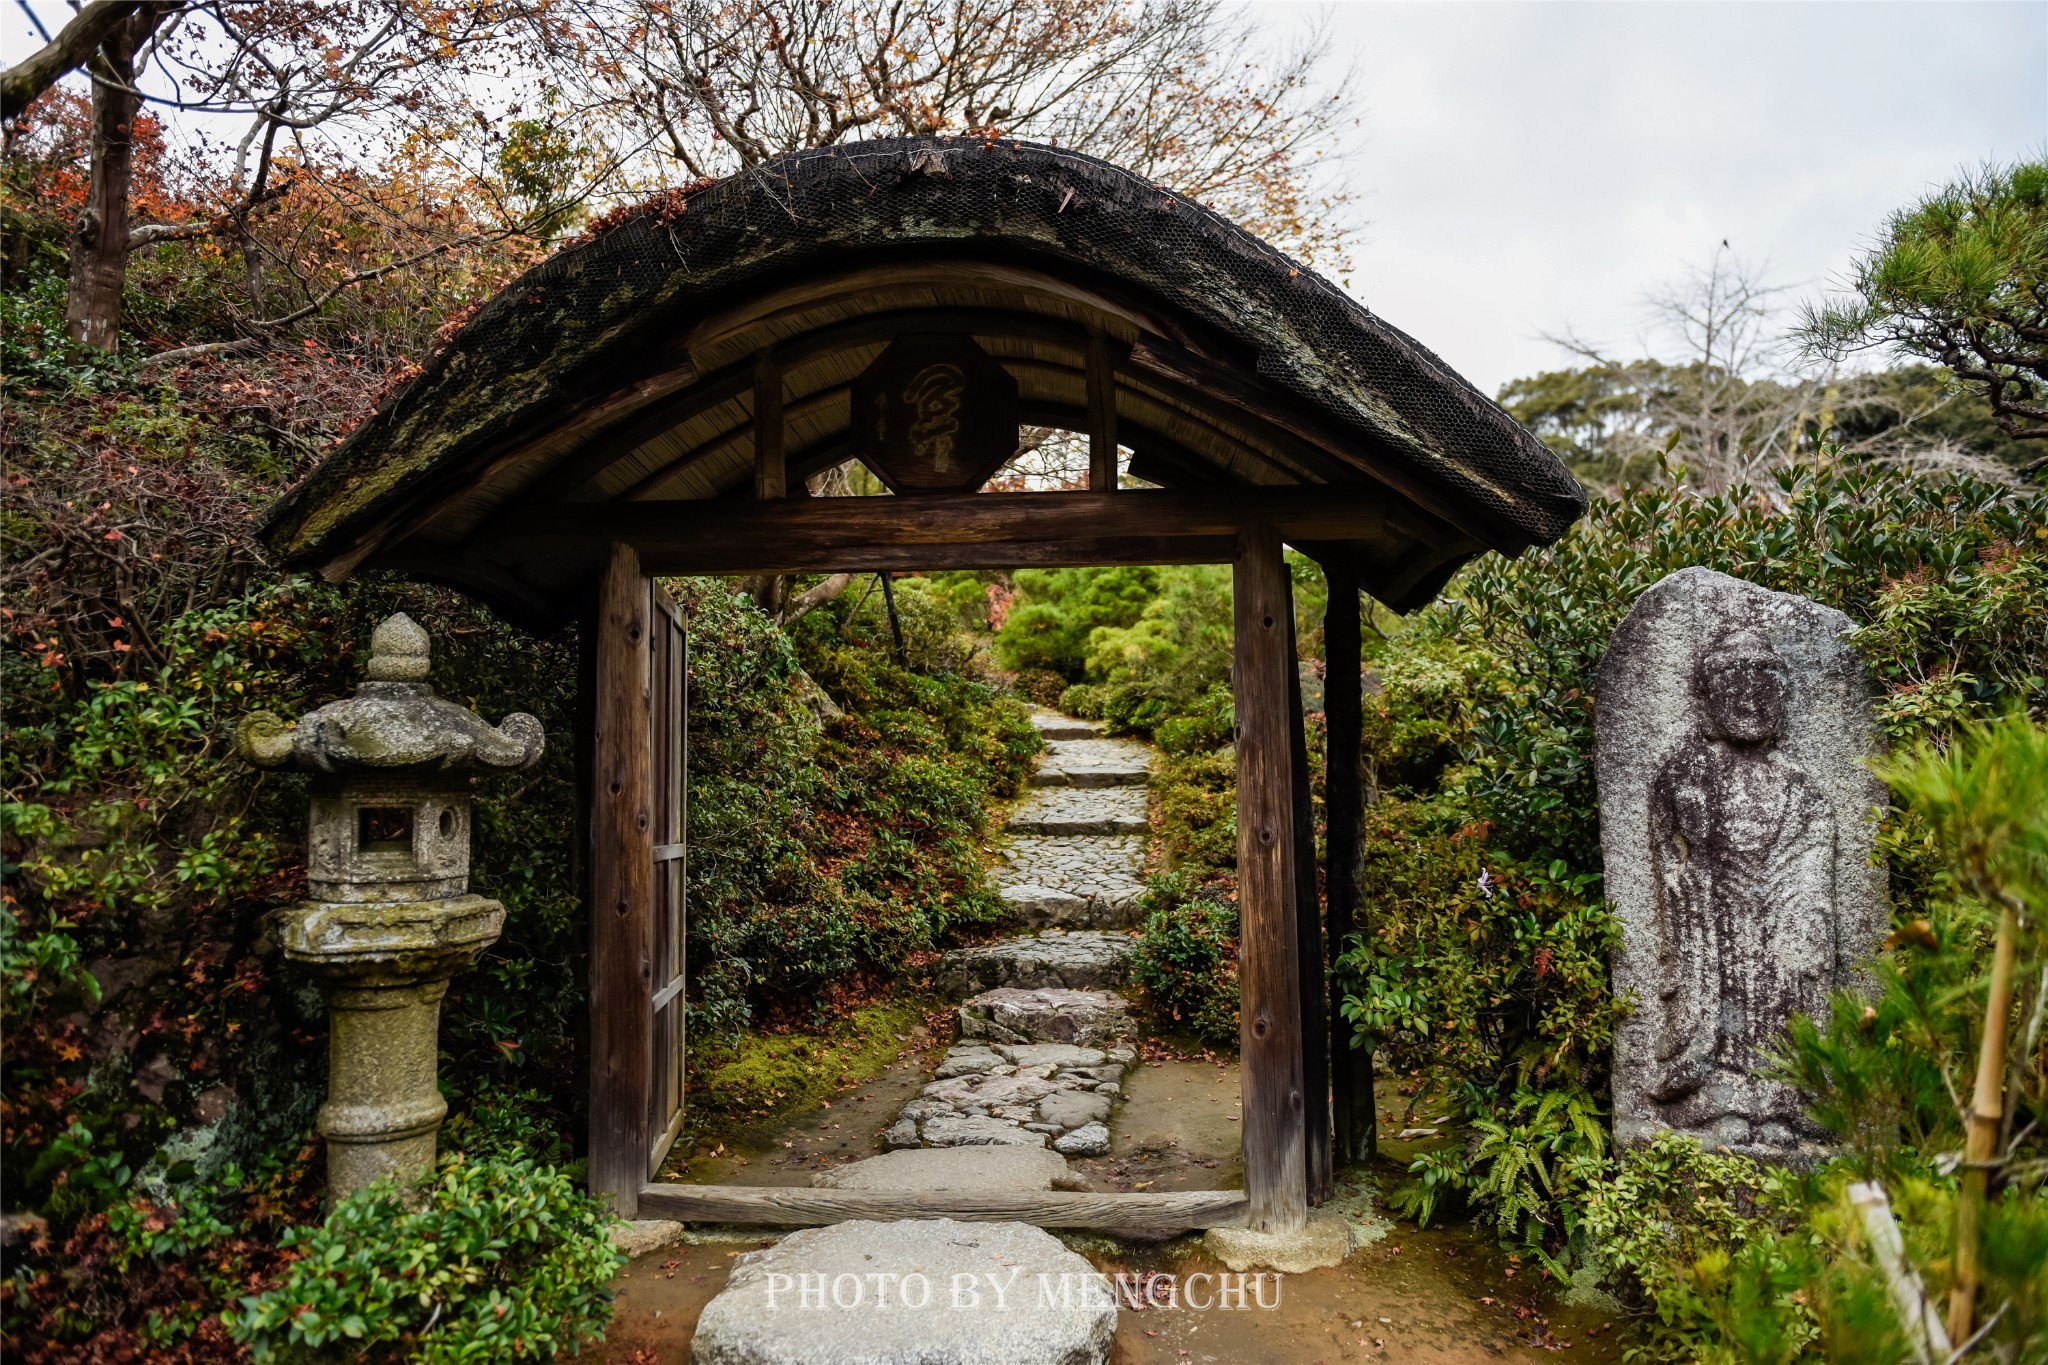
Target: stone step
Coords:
[(887, 1294), (1082, 810), (1052, 725), (1078, 961), (1094, 763), (1074, 881), (1047, 1014)]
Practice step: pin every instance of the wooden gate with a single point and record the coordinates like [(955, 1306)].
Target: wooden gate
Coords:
[(639, 742), (669, 771)]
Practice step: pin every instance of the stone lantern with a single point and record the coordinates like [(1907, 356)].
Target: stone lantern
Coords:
[(390, 919)]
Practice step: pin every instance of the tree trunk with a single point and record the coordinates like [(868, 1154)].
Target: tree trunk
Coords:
[(99, 244)]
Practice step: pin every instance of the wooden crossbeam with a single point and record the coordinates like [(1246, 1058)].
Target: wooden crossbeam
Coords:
[(730, 535), (798, 1206)]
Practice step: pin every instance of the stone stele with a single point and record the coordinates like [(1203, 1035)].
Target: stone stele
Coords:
[(1732, 726)]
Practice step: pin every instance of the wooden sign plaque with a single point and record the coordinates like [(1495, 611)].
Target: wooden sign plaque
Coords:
[(936, 414)]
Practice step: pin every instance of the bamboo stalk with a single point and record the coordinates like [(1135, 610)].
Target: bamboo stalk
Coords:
[(1982, 1141)]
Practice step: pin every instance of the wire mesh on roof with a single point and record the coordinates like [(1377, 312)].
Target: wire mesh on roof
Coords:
[(655, 271)]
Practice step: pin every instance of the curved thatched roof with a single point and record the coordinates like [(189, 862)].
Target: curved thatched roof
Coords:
[(570, 361)]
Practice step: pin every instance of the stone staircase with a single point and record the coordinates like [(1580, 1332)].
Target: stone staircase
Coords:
[(1046, 1037)]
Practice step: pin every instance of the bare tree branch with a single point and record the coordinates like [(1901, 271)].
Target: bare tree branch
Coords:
[(72, 48)]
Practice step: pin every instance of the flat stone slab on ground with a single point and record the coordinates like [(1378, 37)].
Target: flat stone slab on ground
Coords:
[(983, 1169), (1094, 763), (1050, 1054), (990, 1092), (1078, 961), (762, 1318), (1049, 1015), (966, 1130), (1082, 810), (1052, 725), (971, 1060), (1071, 1109)]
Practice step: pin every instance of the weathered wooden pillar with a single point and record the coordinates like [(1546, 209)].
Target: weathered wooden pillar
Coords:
[(1269, 955), (1308, 937), (1351, 1096), (1101, 382), (771, 477), (621, 888)]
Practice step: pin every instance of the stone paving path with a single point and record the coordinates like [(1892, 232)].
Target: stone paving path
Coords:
[(1046, 1038)]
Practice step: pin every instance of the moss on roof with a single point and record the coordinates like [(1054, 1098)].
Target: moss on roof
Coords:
[(648, 274)]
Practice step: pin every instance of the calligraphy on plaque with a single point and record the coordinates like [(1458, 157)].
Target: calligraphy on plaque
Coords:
[(936, 414)]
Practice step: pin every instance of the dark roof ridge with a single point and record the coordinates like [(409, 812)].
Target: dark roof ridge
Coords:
[(1315, 344)]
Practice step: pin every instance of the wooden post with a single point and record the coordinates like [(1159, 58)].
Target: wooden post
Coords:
[(1308, 938), (621, 888), (771, 479), (1351, 1099), (1269, 1049), (1101, 416)]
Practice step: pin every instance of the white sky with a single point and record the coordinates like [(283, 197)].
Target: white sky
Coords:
[(1534, 167)]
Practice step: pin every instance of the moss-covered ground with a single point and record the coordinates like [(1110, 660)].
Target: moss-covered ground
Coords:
[(770, 1076)]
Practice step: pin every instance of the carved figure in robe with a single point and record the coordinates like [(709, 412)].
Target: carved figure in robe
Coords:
[(1742, 844)]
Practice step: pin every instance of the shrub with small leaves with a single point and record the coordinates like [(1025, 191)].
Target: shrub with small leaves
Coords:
[(491, 1260), (1186, 962)]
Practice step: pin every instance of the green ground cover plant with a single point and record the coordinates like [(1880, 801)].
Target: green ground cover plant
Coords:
[(769, 1074), (491, 1260)]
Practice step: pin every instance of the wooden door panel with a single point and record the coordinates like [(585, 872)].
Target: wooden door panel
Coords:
[(667, 769)]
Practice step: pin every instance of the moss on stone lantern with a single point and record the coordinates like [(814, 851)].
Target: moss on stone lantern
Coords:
[(390, 919)]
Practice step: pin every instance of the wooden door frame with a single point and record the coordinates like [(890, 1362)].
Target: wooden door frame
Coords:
[(1275, 936), (621, 908)]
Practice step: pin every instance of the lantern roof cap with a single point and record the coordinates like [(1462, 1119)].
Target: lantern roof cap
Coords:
[(394, 721)]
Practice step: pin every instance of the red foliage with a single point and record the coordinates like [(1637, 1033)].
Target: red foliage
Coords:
[(87, 1304), (664, 206)]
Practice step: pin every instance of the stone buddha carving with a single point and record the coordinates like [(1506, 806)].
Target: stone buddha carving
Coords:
[(1742, 853)]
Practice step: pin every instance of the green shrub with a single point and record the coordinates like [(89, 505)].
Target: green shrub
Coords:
[(1209, 722), (1186, 959), (1198, 812), (491, 1260), (1526, 1166), (1049, 626), (495, 1123), (1654, 1213), (1042, 685), (1083, 700), (1480, 743)]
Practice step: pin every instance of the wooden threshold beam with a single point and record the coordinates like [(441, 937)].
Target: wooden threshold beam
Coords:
[(731, 535), (800, 1206)]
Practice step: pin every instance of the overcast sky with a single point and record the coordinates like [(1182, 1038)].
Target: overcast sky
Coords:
[(1535, 167)]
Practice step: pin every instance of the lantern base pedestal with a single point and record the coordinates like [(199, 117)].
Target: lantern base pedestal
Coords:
[(383, 968)]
